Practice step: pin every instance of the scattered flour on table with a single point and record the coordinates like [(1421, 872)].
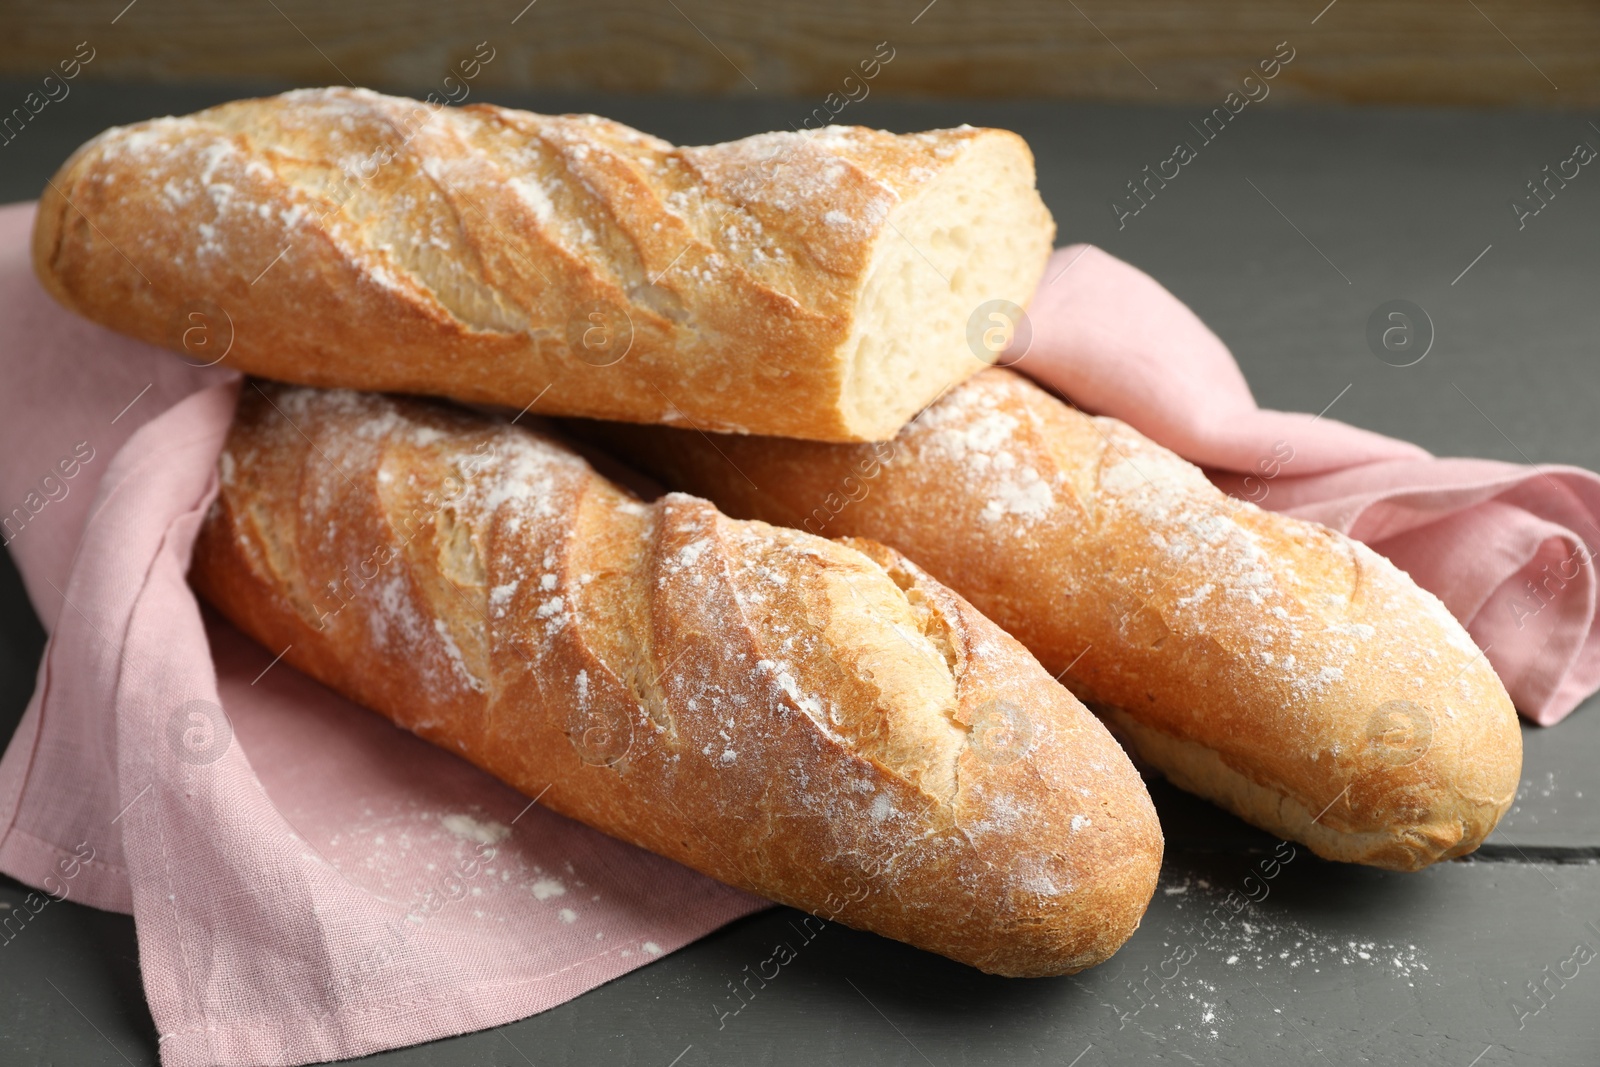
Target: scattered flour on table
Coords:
[(1257, 939)]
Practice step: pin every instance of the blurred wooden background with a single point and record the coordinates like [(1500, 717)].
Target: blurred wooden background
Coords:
[(1469, 52)]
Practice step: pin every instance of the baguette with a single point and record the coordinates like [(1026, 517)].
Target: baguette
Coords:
[(1284, 671), (818, 723), (812, 285)]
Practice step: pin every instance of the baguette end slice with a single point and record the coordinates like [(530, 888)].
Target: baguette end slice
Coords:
[(976, 233)]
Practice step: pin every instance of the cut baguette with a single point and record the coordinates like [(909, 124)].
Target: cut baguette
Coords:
[(811, 285)]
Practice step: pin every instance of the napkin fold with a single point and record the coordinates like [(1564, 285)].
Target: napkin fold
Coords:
[(310, 883)]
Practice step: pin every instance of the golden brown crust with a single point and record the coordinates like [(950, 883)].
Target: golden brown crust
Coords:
[(1283, 670), (780, 284), (815, 722)]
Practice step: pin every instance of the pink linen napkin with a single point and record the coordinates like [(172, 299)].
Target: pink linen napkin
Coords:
[(308, 882), (1508, 548)]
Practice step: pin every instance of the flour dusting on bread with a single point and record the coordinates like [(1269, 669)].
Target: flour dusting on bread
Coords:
[(489, 255), (1282, 669), (811, 720)]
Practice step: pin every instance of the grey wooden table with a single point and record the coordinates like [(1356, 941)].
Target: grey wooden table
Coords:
[(1285, 234)]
